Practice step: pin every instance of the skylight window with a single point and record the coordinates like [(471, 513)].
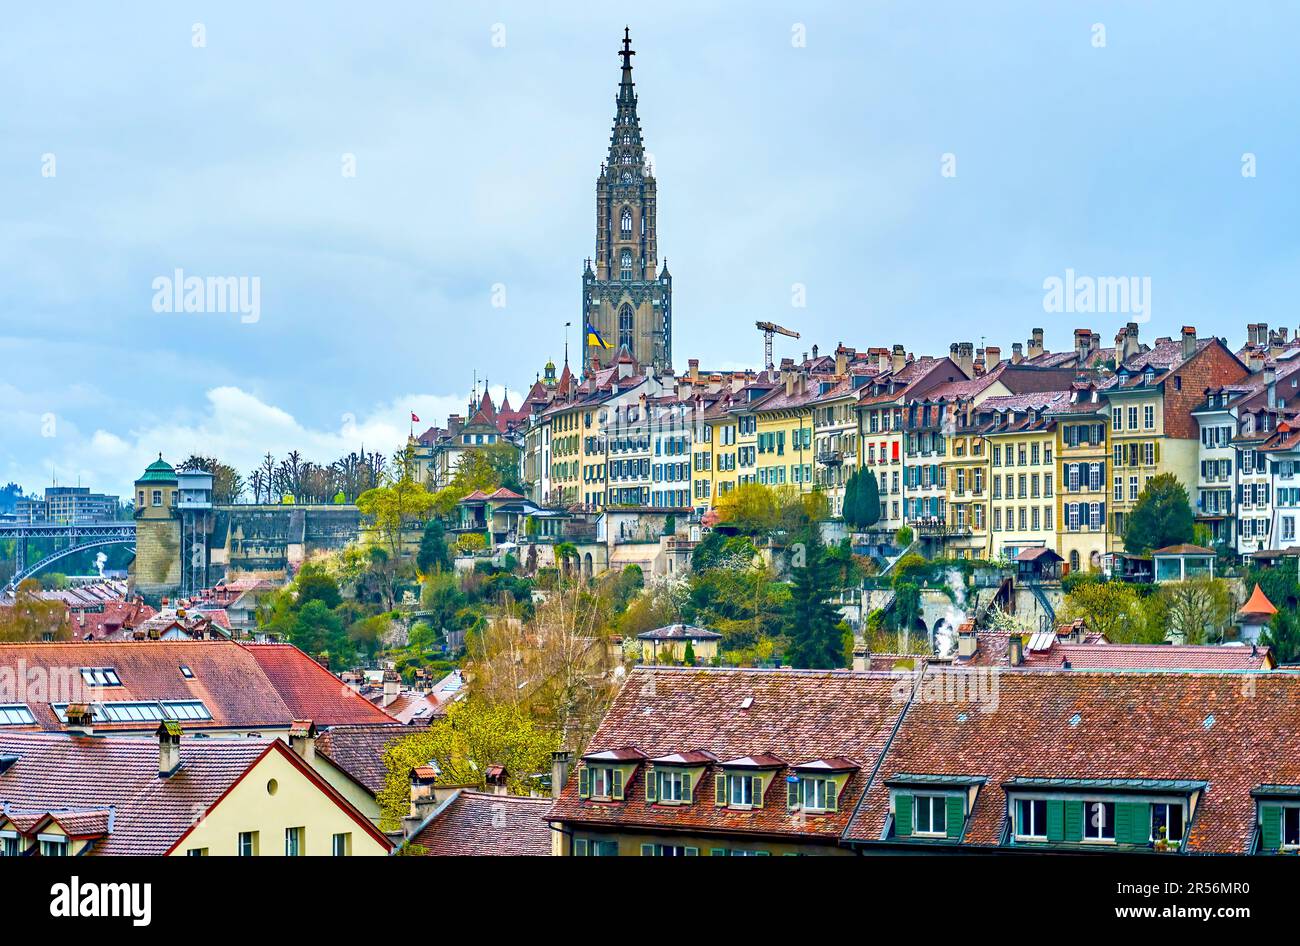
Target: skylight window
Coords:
[(130, 711), (15, 714), (186, 672), (100, 677)]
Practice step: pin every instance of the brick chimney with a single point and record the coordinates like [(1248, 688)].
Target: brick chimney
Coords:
[(1017, 353), (966, 358), (1189, 341), (992, 357), (392, 687), (495, 776), (693, 369), (1270, 383), (424, 798), (1015, 650), (302, 739), (967, 642), (169, 747), (861, 657), (1082, 342), (898, 357), (1035, 343)]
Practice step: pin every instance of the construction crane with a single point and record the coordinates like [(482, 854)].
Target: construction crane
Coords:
[(768, 329)]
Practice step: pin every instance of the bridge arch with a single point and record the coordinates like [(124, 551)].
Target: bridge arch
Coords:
[(31, 570)]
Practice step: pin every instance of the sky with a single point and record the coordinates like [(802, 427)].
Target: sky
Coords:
[(390, 173)]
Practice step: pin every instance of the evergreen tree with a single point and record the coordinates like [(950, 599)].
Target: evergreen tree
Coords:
[(811, 624), (433, 554), (862, 505), (1162, 517)]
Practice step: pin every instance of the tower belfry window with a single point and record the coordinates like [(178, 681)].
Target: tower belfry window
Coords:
[(625, 265), (626, 224)]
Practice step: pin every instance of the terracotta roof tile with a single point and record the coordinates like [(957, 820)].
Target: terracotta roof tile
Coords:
[(479, 823)]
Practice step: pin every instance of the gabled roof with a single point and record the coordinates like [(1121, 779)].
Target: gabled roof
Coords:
[(310, 691), (359, 750), (1186, 727), (480, 823)]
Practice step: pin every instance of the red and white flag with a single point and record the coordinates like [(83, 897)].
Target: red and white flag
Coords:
[(414, 418)]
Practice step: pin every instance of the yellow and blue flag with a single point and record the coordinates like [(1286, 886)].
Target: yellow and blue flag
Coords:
[(594, 338)]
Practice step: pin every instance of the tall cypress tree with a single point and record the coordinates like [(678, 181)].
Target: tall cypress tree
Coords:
[(809, 622)]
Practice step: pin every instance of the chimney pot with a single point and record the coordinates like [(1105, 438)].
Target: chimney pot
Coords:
[(1015, 650), (559, 772), (169, 747)]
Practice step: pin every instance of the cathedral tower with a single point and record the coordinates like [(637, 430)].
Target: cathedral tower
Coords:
[(626, 300)]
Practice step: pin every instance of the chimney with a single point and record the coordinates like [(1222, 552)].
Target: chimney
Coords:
[(814, 353), (693, 369), (424, 799), (1270, 383), (992, 357), (559, 772), (80, 719), (169, 747), (495, 776), (966, 358), (861, 657), (1017, 353), (392, 687), (1082, 342), (841, 361), (1015, 650), (302, 739), (1255, 362), (967, 642), (1035, 343), (1189, 341), (898, 357)]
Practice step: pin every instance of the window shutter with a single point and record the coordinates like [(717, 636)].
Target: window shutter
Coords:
[(584, 782), (686, 786), (579, 847), (616, 782), (647, 850), (792, 794), (1073, 820), (903, 815), (1157, 446), (1270, 823), (1055, 819), (720, 789), (832, 795), (650, 783), (955, 815), (758, 791), (1123, 823)]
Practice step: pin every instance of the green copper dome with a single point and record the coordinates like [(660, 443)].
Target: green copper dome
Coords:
[(159, 471)]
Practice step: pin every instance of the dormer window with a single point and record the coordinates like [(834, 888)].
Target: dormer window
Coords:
[(606, 782), (604, 775), (100, 677), (930, 814)]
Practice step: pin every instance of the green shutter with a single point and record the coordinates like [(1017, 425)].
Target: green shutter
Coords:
[(1132, 823), (647, 850), (903, 815), (955, 815), (616, 781), (584, 782), (720, 789), (1270, 822), (832, 795), (1056, 819), (792, 794), (649, 783), (686, 787), (758, 791), (579, 847), (1073, 820)]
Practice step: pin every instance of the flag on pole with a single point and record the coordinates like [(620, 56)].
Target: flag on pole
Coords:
[(594, 339), (415, 419)]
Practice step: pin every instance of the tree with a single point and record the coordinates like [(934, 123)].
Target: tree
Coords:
[(1113, 608), (433, 555), (862, 499), (401, 500), (812, 625), (688, 655), (314, 583), (1197, 608), (1162, 517), (473, 735), (32, 618), (904, 537), (1283, 636), (750, 509), (227, 484)]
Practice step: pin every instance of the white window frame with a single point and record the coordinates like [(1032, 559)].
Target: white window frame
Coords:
[(932, 804), (1036, 832)]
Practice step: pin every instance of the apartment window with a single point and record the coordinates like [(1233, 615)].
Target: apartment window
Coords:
[(1133, 487), (1149, 417), (672, 785), (1291, 826), (9, 844), (341, 844), (590, 847), (1167, 821), (196, 852), (293, 842), (1099, 821), (931, 815), (668, 850), (1031, 819), (1132, 418), (1116, 419), (248, 844), (53, 846), (744, 791), (157, 497), (814, 794)]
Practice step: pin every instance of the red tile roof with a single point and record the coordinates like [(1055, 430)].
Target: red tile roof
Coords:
[(1077, 725), (479, 823), (797, 715), (359, 750), (310, 691)]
